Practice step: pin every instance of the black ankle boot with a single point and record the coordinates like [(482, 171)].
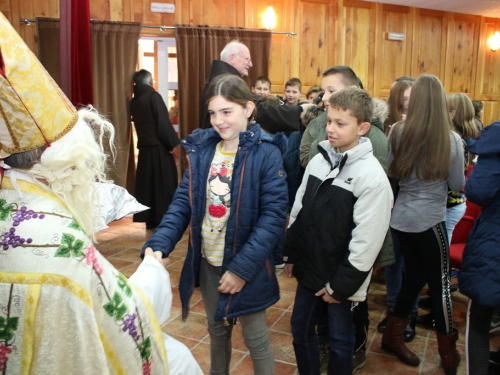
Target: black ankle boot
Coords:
[(409, 333), (427, 321)]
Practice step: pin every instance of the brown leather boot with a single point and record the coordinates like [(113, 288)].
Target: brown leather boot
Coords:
[(393, 341), (448, 352)]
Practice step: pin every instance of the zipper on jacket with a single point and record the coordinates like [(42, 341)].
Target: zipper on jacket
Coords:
[(190, 224), (236, 226)]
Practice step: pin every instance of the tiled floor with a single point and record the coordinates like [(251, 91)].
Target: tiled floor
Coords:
[(122, 242)]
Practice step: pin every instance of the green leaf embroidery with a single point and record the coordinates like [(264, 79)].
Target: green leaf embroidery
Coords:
[(69, 245), (146, 348), (63, 252), (7, 327), (5, 209), (74, 225), (122, 283), (115, 307)]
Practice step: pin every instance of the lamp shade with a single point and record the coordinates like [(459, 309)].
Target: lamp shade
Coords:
[(269, 18)]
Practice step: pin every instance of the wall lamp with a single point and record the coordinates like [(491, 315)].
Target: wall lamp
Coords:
[(494, 41), (269, 18)]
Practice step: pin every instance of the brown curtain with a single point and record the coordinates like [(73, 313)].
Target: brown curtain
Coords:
[(114, 58), (47, 30), (197, 47)]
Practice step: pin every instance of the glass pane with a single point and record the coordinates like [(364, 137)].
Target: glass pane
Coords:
[(147, 45), (172, 50), (172, 69), (148, 63)]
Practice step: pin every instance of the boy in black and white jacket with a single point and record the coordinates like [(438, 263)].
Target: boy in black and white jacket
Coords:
[(337, 226)]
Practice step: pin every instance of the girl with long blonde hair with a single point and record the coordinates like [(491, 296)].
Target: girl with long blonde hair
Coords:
[(426, 156)]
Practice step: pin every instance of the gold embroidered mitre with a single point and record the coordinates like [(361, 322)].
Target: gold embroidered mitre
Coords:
[(33, 109)]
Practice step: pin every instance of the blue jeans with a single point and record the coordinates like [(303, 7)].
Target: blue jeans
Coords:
[(453, 216), (306, 312), (254, 327), (394, 275)]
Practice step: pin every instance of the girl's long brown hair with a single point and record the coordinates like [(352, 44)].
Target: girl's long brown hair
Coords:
[(463, 119), (422, 142), (396, 103)]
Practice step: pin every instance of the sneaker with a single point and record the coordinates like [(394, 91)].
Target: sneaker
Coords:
[(324, 356), (279, 265), (359, 360), (495, 323)]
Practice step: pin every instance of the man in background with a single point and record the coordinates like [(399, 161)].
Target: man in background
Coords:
[(156, 177)]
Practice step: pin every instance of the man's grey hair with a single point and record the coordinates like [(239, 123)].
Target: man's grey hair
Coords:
[(232, 48), (142, 76)]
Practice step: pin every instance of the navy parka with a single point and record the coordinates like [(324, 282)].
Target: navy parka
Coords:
[(479, 276), (259, 206)]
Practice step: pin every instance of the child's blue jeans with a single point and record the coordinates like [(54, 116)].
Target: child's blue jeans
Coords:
[(306, 312)]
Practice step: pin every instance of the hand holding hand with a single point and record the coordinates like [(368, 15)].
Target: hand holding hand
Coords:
[(157, 255), (326, 297), (231, 283)]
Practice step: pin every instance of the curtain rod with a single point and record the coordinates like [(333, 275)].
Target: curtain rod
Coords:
[(162, 28)]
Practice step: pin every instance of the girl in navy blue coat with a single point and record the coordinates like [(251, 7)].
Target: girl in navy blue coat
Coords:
[(479, 276), (233, 197)]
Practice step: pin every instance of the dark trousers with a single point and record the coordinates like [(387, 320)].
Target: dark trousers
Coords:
[(478, 338), (360, 320), (306, 312), (427, 260)]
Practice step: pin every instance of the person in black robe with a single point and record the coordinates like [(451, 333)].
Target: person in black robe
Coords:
[(156, 177)]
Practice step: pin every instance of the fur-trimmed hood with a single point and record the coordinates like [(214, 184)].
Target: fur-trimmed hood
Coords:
[(380, 109)]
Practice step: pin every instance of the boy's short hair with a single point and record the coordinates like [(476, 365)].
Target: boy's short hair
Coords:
[(294, 82), (348, 77), (313, 89), (261, 79), (405, 78), (478, 107), (356, 100)]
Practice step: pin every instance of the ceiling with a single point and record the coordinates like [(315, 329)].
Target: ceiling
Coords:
[(487, 8)]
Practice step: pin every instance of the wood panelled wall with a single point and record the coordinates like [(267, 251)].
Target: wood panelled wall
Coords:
[(330, 32)]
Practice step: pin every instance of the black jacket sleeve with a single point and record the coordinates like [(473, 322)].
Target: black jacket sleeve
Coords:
[(277, 118), (165, 129)]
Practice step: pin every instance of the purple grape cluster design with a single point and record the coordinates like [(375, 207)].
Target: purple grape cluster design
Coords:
[(11, 238)]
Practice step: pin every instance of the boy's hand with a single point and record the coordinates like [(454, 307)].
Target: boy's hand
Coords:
[(231, 283), (288, 269), (157, 255), (326, 297)]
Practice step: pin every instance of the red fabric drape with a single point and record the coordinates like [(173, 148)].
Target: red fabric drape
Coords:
[(76, 58)]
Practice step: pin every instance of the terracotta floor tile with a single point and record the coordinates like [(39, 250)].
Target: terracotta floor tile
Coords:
[(176, 264), (283, 323), (132, 254), (194, 328), (129, 270), (287, 284), (282, 347), (286, 300), (119, 263), (124, 230), (273, 314), (379, 364), (175, 276)]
